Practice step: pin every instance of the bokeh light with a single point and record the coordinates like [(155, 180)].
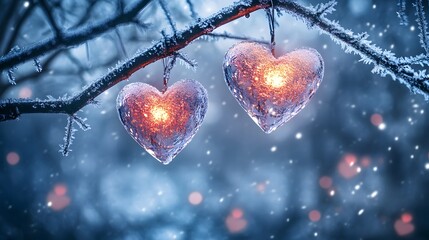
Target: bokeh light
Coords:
[(57, 199), (314, 215), (347, 166), (25, 92), (12, 158), (325, 182), (195, 198), (235, 222)]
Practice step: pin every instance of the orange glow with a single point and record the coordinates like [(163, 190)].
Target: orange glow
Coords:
[(276, 78), (406, 217), (195, 198), (376, 119), (237, 213), (314, 216), (12, 158), (325, 182), (271, 81), (159, 114), (272, 89), (280, 80)]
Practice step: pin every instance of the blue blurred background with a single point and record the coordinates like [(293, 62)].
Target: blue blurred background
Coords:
[(352, 165)]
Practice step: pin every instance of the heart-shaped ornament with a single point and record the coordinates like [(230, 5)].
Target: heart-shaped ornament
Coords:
[(272, 90), (162, 123)]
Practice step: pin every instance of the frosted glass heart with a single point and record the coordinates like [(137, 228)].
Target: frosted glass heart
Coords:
[(162, 123), (272, 90)]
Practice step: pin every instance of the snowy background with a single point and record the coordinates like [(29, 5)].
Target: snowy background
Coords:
[(352, 165)]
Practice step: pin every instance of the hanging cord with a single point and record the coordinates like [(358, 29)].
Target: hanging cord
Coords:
[(167, 69), (271, 23), (167, 63)]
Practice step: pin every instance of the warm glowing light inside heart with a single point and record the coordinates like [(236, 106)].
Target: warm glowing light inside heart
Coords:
[(163, 114), (159, 114), (162, 123), (275, 78), (276, 81)]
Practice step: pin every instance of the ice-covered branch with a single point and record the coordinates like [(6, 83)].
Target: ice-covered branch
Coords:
[(68, 138), (71, 37), (385, 62)]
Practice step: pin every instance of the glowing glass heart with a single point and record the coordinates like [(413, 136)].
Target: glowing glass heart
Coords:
[(271, 90), (162, 123)]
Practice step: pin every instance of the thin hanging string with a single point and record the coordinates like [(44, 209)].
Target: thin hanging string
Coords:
[(165, 79), (271, 23), (166, 65), (167, 69)]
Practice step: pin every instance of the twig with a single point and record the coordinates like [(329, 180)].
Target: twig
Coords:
[(121, 43), (271, 24), (385, 62), (190, 63), (194, 14), (68, 138), (167, 69), (48, 13), (229, 36), (6, 18), (71, 37), (168, 15), (18, 26)]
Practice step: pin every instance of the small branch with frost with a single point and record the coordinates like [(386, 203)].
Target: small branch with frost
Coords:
[(72, 37)]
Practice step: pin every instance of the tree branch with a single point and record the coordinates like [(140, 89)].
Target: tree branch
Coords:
[(168, 15), (194, 14), (384, 61), (4, 21), (47, 10), (71, 37), (18, 26), (230, 36)]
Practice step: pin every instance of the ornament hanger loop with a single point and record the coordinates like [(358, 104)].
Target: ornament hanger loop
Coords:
[(271, 23)]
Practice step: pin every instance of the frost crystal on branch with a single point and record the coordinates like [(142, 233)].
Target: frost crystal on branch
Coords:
[(184, 60), (38, 65), (68, 138), (11, 76), (81, 122), (323, 9)]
